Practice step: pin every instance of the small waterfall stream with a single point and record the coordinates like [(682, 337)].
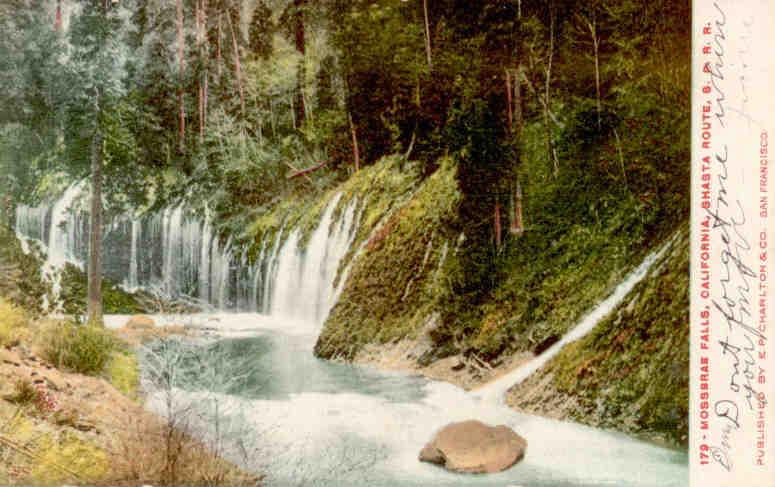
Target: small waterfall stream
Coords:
[(496, 390), (178, 254)]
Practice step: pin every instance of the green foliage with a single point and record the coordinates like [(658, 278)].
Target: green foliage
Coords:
[(632, 371), (22, 283), (383, 60), (82, 348), (13, 322), (123, 372), (73, 283), (484, 165), (261, 31)]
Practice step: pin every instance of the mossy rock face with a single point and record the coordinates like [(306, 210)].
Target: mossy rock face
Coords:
[(397, 280), (21, 282), (632, 372), (377, 189)]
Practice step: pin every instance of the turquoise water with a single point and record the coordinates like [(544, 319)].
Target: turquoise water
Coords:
[(304, 421)]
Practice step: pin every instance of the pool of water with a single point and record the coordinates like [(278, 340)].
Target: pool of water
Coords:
[(305, 421)]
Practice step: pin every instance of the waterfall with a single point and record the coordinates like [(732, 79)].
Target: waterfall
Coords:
[(497, 389), (302, 279), (132, 281), (31, 222), (66, 235), (178, 254), (59, 228)]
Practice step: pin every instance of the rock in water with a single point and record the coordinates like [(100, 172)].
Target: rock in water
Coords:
[(140, 322), (474, 447)]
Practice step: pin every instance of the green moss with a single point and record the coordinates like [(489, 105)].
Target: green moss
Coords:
[(57, 455), (86, 460), (632, 372), (22, 283), (123, 372), (394, 285), (549, 283), (115, 300)]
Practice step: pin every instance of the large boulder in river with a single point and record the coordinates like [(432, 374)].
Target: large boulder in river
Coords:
[(140, 322), (474, 447)]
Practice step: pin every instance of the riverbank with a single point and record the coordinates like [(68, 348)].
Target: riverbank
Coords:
[(60, 426), (468, 373), (628, 374)]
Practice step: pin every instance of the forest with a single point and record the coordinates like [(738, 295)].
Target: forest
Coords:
[(507, 163)]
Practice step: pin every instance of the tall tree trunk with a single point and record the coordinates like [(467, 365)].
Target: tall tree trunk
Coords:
[(498, 227), (509, 108), (206, 55), (427, 33), (356, 151), (199, 83), (218, 56), (592, 24), (94, 299), (181, 68), (237, 64), (201, 35), (517, 225), (58, 17), (518, 116), (301, 48), (547, 100)]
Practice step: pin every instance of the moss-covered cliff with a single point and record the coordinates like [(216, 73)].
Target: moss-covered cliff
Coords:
[(632, 372), (397, 281)]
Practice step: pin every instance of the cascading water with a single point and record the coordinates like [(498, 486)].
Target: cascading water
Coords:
[(313, 421), (59, 228), (497, 389), (132, 282), (303, 280), (181, 255), (299, 420)]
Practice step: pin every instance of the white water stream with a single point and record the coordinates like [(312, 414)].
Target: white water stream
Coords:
[(179, 255), (496, 390)]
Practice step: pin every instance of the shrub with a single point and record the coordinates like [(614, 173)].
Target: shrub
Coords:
[(13, 322), (123, 373), (24, 393), (82, 348)]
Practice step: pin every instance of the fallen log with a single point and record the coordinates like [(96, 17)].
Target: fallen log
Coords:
[(304, 172)]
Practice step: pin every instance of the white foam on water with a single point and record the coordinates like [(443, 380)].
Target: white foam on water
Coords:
[(181, 255), (360, 437)]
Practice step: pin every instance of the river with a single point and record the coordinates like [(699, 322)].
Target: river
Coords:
[(254, 391), (305, 421)]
